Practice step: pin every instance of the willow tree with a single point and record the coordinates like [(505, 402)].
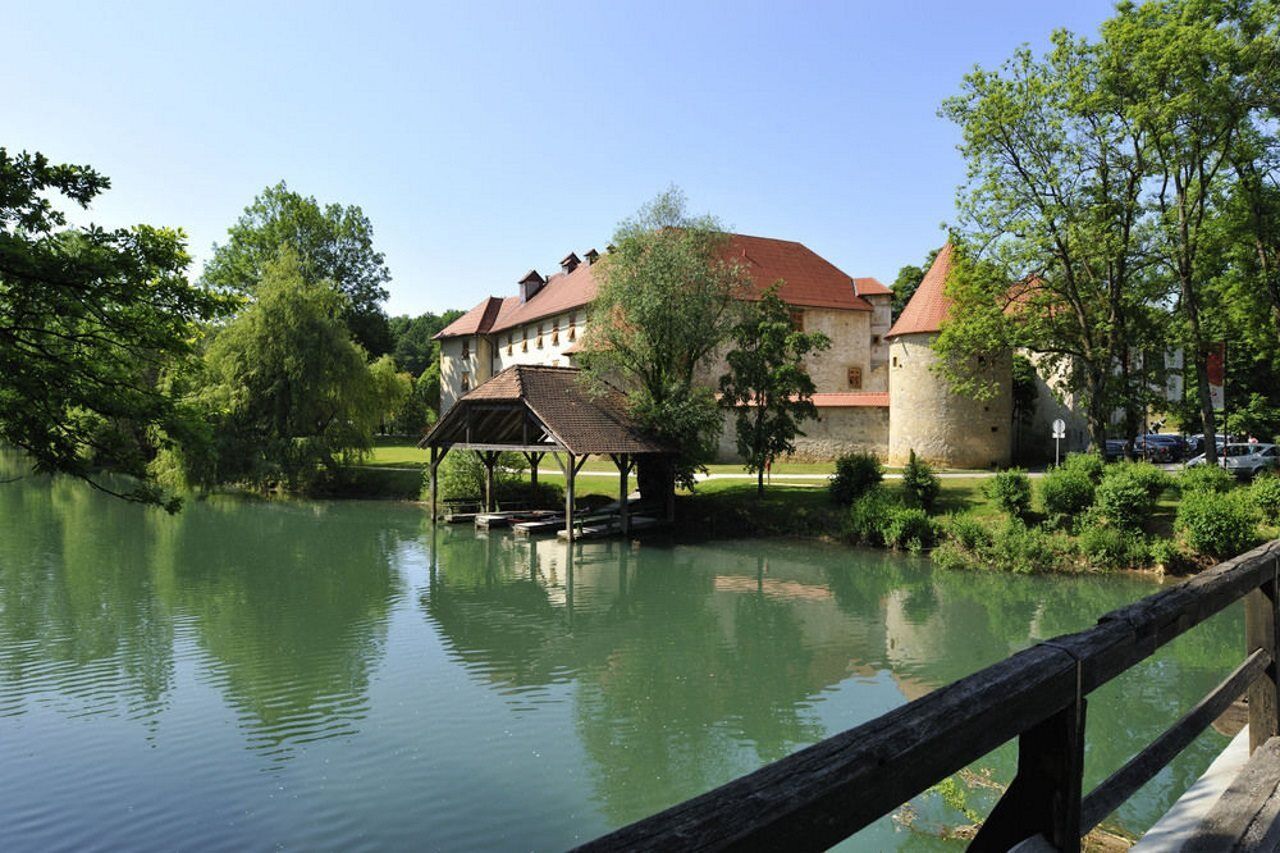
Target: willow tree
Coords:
[(665, 304), (1053, 202)]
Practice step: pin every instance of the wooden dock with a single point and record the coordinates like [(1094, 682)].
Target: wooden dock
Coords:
[(819, 796), (605, 527)]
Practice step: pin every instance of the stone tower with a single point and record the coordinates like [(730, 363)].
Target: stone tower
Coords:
[(943, 427)]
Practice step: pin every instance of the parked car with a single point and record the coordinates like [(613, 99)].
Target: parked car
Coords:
[(1159, 447), (1114, 450), (1246, 461), (1195, 443)]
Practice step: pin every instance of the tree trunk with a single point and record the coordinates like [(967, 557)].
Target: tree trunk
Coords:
[(760, 482), (1097, 411), (1208, 418), (655, 479)]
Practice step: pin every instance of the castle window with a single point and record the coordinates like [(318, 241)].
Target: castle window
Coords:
[(466, 382), (995, 429), (875, 340), (797, 320), (539, 336), (509, 339), (855, 378), (555, 333), (895, 361), (466, 347)]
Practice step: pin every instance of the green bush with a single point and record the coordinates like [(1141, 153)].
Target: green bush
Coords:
[(1022, 550), (462, 475), (968, 533), (952, 556), (1218, 525), (1011, 490), (856, 474), (1205, 478), (1090, 465), (908, 528), (865, 521), (1169, 556), (919, 483), (1109, 547), (1266, 495), (1128, 492), (1066, 494)]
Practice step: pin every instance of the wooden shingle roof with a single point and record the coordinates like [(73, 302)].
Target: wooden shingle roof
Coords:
[(566, 414)]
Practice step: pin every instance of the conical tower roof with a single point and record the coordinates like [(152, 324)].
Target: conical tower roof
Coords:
[(929, 305)]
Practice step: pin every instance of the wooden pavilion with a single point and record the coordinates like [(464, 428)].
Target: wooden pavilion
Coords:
[(537, 410)]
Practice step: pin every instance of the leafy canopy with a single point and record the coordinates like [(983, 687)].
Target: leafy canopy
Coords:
[(89, 318), (768, 388), (665, 304), (331, 243)]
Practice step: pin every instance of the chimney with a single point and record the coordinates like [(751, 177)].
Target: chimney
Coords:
[(530, 285), (591, 256), (569, 263)]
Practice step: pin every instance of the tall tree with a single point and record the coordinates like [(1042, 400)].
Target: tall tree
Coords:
[(1186, 72), (414, 344), (89, 318), (332, 242), (1056, 175), (767, 387), (665, 304), (288, 394)]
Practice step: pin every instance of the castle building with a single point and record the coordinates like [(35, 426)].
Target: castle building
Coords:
[(925, 414), (544, 321)]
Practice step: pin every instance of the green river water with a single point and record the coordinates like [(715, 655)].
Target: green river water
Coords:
[(251, 675)]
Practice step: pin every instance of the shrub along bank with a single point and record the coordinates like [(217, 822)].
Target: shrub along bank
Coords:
[(1089, 516)]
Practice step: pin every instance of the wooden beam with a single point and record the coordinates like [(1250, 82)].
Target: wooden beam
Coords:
[(623, 461), (1261, 629), (503, 448), (571, 471), (489, 458)]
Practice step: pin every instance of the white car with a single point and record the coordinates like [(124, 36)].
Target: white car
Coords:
[(1246, 461)]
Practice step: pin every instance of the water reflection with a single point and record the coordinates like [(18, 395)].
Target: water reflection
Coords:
[(316, 675), (692, 665)]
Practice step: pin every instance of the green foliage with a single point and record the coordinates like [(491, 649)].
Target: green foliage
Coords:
[(666, 302), (1090, 465), (90, 320), (1011, 491), (414, 345), (1066, 494), (968, 533), (331, 243), (856, 474), (1128, 491), (285, 393), (919, 483), (865, 522), (1257, 417), (462, 476), (1266, 496), (1023, 550), (907, 528), (1109, 547), (951, 556), (1218, 525), (391, 389), (1205, 478), (768, 388), (908, 281), (1170, 557)]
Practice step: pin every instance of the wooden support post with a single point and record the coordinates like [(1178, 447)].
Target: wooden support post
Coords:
[(489, 458), (1261, 629), (435, 465), (570, 471), (624, 468), (1044, 797)]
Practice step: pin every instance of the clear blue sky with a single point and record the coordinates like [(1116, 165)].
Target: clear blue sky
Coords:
[(484, 139)]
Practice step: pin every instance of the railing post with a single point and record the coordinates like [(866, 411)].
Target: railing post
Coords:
[(1261, 628), (1044, 797)]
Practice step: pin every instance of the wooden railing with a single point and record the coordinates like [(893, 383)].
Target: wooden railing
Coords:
[(822, 794)]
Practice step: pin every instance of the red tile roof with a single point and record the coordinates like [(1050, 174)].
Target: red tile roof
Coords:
[(808, 281), (929, 305)]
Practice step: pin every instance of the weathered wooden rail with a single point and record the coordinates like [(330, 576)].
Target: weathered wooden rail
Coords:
[(826, 792)]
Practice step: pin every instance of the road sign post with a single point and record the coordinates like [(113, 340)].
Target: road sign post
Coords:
[(1059, 433)]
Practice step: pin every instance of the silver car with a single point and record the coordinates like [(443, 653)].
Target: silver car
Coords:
[(1246, 461)]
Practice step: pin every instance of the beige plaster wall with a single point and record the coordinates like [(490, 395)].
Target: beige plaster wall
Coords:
[(945, 428)]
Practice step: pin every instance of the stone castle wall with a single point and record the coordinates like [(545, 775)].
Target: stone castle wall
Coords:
[(839, 430), (945, 428)]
